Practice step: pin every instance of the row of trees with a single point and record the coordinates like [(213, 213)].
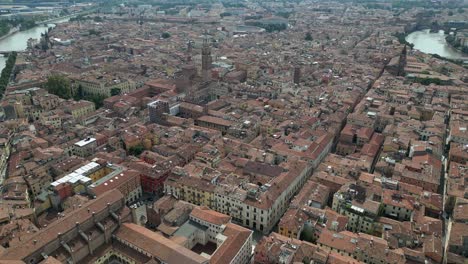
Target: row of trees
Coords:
[(459, 62), (269, 27), (6, 72), (225, 14), (4, 27), (402, 39), (85, 17), (427, 81)]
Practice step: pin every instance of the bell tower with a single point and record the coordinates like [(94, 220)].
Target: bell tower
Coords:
[(206, 59)]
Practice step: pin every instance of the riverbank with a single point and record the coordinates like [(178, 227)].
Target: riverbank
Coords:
[(12, 31), (456, 43), (18, 41), (435, 43), (6, 73), (32, 24)]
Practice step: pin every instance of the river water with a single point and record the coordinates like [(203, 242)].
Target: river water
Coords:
[(18, 41), (434, 43)]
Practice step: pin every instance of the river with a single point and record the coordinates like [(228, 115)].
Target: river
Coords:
[(434, 43), (19, 40)]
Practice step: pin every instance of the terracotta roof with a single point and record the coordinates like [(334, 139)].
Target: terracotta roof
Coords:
[(345, 241), (210, 216), (45, 236), (215, 120), (157, 245), (336, 258), (116, 181), (237, 236)]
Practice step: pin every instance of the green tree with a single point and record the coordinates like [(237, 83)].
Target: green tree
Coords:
[(4, 27), (444, 70), (79, 94), (59, 85), (94, 32), (136, 150), (465, 49), (64, 12), (115, 91), (225, 14), (166, 35), (284, 14), (402, 39), (450, 13), (427, 81), (308, 37), (97, 99), (6, 72)]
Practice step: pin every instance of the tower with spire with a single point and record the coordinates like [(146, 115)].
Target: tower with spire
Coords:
[(402, 62)]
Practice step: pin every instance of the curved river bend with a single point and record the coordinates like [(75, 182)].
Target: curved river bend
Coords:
[(19, 40), (434, 43)]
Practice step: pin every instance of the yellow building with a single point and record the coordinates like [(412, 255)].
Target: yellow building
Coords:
[(287, 233), (81, 108), (201, 194), (198, 196), (98, 174)]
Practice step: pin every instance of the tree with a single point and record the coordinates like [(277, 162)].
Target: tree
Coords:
[(166, 35), (78, 94), (136, 150), (115, 91), (97, 99), (64, 12), (6, 72), (225, 14), (445, 71), (59, 85), (450, 13), (4, 27), (402, 39), (94, 32), (308, 37), (465, 49)]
